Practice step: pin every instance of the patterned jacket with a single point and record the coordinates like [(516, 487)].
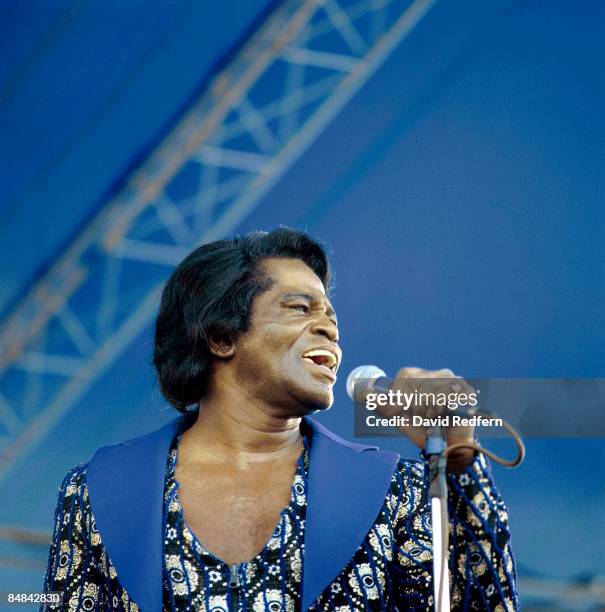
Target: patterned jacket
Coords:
[(367, 532)]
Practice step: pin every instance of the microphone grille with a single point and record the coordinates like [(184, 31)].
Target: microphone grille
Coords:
[(361, 373)]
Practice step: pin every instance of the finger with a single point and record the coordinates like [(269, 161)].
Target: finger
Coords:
[(449, 382), (443, 373), (411, 372), (461, 385), (457, 386)]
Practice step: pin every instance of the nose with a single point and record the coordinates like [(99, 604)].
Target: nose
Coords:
[(327, 328)]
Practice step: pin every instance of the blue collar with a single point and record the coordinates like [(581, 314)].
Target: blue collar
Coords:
[(347, 486)]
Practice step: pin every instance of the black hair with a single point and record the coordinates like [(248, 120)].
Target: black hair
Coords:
[(211, 293)]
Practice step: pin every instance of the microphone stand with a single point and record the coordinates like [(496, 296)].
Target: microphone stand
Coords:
[(434, 449)]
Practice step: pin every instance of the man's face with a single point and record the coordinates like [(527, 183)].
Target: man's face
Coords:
[(290, 354)]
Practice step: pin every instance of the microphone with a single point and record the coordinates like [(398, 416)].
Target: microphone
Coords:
[(368, 378), (371, 379)]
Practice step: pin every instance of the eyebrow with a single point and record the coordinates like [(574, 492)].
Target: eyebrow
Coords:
[(309, 298)]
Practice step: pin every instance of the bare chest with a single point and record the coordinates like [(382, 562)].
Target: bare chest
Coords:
[(232, 512)]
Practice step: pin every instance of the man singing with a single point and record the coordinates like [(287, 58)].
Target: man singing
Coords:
[(245, 502)]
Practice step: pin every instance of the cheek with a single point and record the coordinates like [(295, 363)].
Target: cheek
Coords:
[(266, 356), (278, 343), (272, 352)]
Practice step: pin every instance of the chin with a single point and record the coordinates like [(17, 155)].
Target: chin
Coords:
[(320, 402), (311, 398), (320, 409)]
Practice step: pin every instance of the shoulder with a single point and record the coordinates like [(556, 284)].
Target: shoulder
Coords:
[(73, 492), (73, 515), (314, 430), (74, 482), (75, 477), (372, 457), (137, 451)]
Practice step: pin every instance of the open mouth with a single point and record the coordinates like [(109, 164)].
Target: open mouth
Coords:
[(322, 358)]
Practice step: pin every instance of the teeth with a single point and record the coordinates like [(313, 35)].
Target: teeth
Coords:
[(331, 359)]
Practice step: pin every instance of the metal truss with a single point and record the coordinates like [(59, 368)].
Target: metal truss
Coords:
[(251, 123)]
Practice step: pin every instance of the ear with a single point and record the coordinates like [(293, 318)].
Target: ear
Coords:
[(221, 345)]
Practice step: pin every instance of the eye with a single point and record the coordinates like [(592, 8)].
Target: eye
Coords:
[(302, 307)]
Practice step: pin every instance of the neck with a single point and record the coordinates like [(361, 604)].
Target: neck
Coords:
[(230, 427)]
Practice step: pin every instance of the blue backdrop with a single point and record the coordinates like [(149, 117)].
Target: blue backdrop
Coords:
[(461, 193)]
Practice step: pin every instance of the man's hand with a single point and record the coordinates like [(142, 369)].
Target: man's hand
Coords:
[(437, 382)]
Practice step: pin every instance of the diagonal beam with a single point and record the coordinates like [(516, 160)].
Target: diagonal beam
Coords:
[(155, 218)]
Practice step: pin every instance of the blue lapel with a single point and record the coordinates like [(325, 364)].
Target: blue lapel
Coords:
[(347, 486), (125, 488)]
